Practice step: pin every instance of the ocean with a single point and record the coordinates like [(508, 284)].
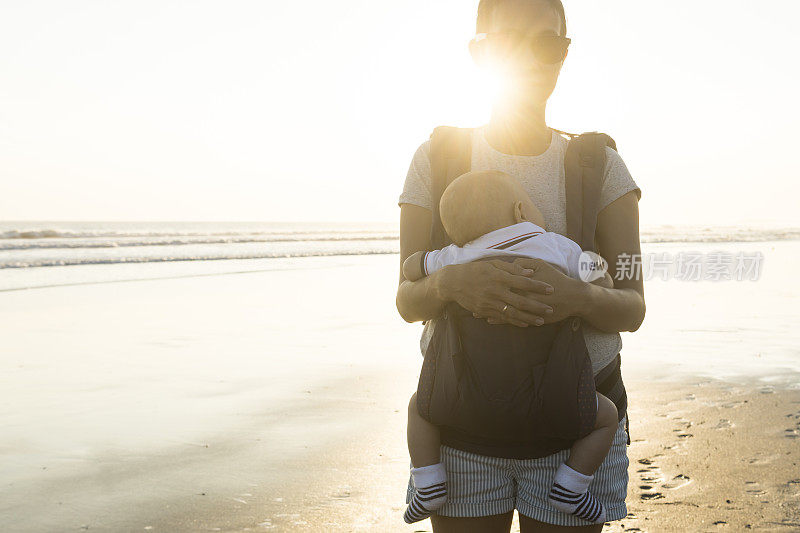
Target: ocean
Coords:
[(44, 253)]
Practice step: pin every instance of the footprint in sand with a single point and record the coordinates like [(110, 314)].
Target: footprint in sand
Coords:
[(683, 437), (343, 492), (650, 478), (724, 423), (731, 405), (793, 433), (753, 488), (649, 475), (677, 482), (762, 459), (630, 516), (792, 487), (683, 425), (682, 421), (648, 466)]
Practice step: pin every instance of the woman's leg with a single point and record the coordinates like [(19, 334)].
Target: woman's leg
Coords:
[(530, 525), (498, 523)]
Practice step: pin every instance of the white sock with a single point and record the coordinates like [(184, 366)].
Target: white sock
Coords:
[(430, 492), (570, 494)]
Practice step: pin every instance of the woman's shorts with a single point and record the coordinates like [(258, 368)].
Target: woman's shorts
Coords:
[(478, 485)]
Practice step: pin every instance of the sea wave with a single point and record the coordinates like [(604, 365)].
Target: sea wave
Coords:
[(83, 242), (723, 234), (161, 259), (57, 238), (47, 244), (55, 233)]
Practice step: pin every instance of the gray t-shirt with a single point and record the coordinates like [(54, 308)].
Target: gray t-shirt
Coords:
[(542, 177)]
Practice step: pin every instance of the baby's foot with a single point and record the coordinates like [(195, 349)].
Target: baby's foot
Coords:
[(430, 492), (583, 505), (569, 494)]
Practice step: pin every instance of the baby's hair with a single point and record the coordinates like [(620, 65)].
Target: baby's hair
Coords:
[(486, 9), (478, 202)]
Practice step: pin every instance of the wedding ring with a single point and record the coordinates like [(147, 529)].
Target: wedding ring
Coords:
[(504, 309)]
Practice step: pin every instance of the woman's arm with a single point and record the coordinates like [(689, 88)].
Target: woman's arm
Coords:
[(621, 308), (606, 281), (422, 299), (481, 286)]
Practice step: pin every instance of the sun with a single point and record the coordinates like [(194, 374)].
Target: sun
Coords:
[(469, 101), (488, 86)]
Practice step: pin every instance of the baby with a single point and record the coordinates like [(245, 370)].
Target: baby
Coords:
[(488, 213)]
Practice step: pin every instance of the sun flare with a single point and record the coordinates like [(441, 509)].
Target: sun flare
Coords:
[(484, 87)]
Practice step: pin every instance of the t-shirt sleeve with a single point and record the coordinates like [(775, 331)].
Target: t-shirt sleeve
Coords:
[(417, 187), (618, 181), (572, 252)]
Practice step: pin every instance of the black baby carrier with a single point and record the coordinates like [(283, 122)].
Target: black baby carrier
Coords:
[(498, 389)]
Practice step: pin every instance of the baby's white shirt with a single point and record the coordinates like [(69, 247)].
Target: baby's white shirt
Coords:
[(524, 239)]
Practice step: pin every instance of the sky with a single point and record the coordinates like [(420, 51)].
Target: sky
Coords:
[(312, 110)]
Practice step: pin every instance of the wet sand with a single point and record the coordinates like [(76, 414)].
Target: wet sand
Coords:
[(276, 400), (710, 455), (706, 455)]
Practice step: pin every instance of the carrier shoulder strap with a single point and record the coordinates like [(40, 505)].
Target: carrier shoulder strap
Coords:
[(450, 155), (584, 169)]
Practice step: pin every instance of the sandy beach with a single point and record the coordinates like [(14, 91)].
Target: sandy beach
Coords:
[(275, 400), (708, 455)]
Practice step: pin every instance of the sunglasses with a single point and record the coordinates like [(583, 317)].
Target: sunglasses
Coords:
[(548, 49)]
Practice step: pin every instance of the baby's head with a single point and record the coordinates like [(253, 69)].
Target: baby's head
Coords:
[(478, 202)]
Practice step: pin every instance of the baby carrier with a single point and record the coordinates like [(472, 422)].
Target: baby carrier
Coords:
[(498, 389)]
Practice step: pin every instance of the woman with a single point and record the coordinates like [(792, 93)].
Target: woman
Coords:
[(483, 491)]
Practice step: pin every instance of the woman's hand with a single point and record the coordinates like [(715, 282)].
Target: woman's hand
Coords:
[(486, 286), (565, 300)]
